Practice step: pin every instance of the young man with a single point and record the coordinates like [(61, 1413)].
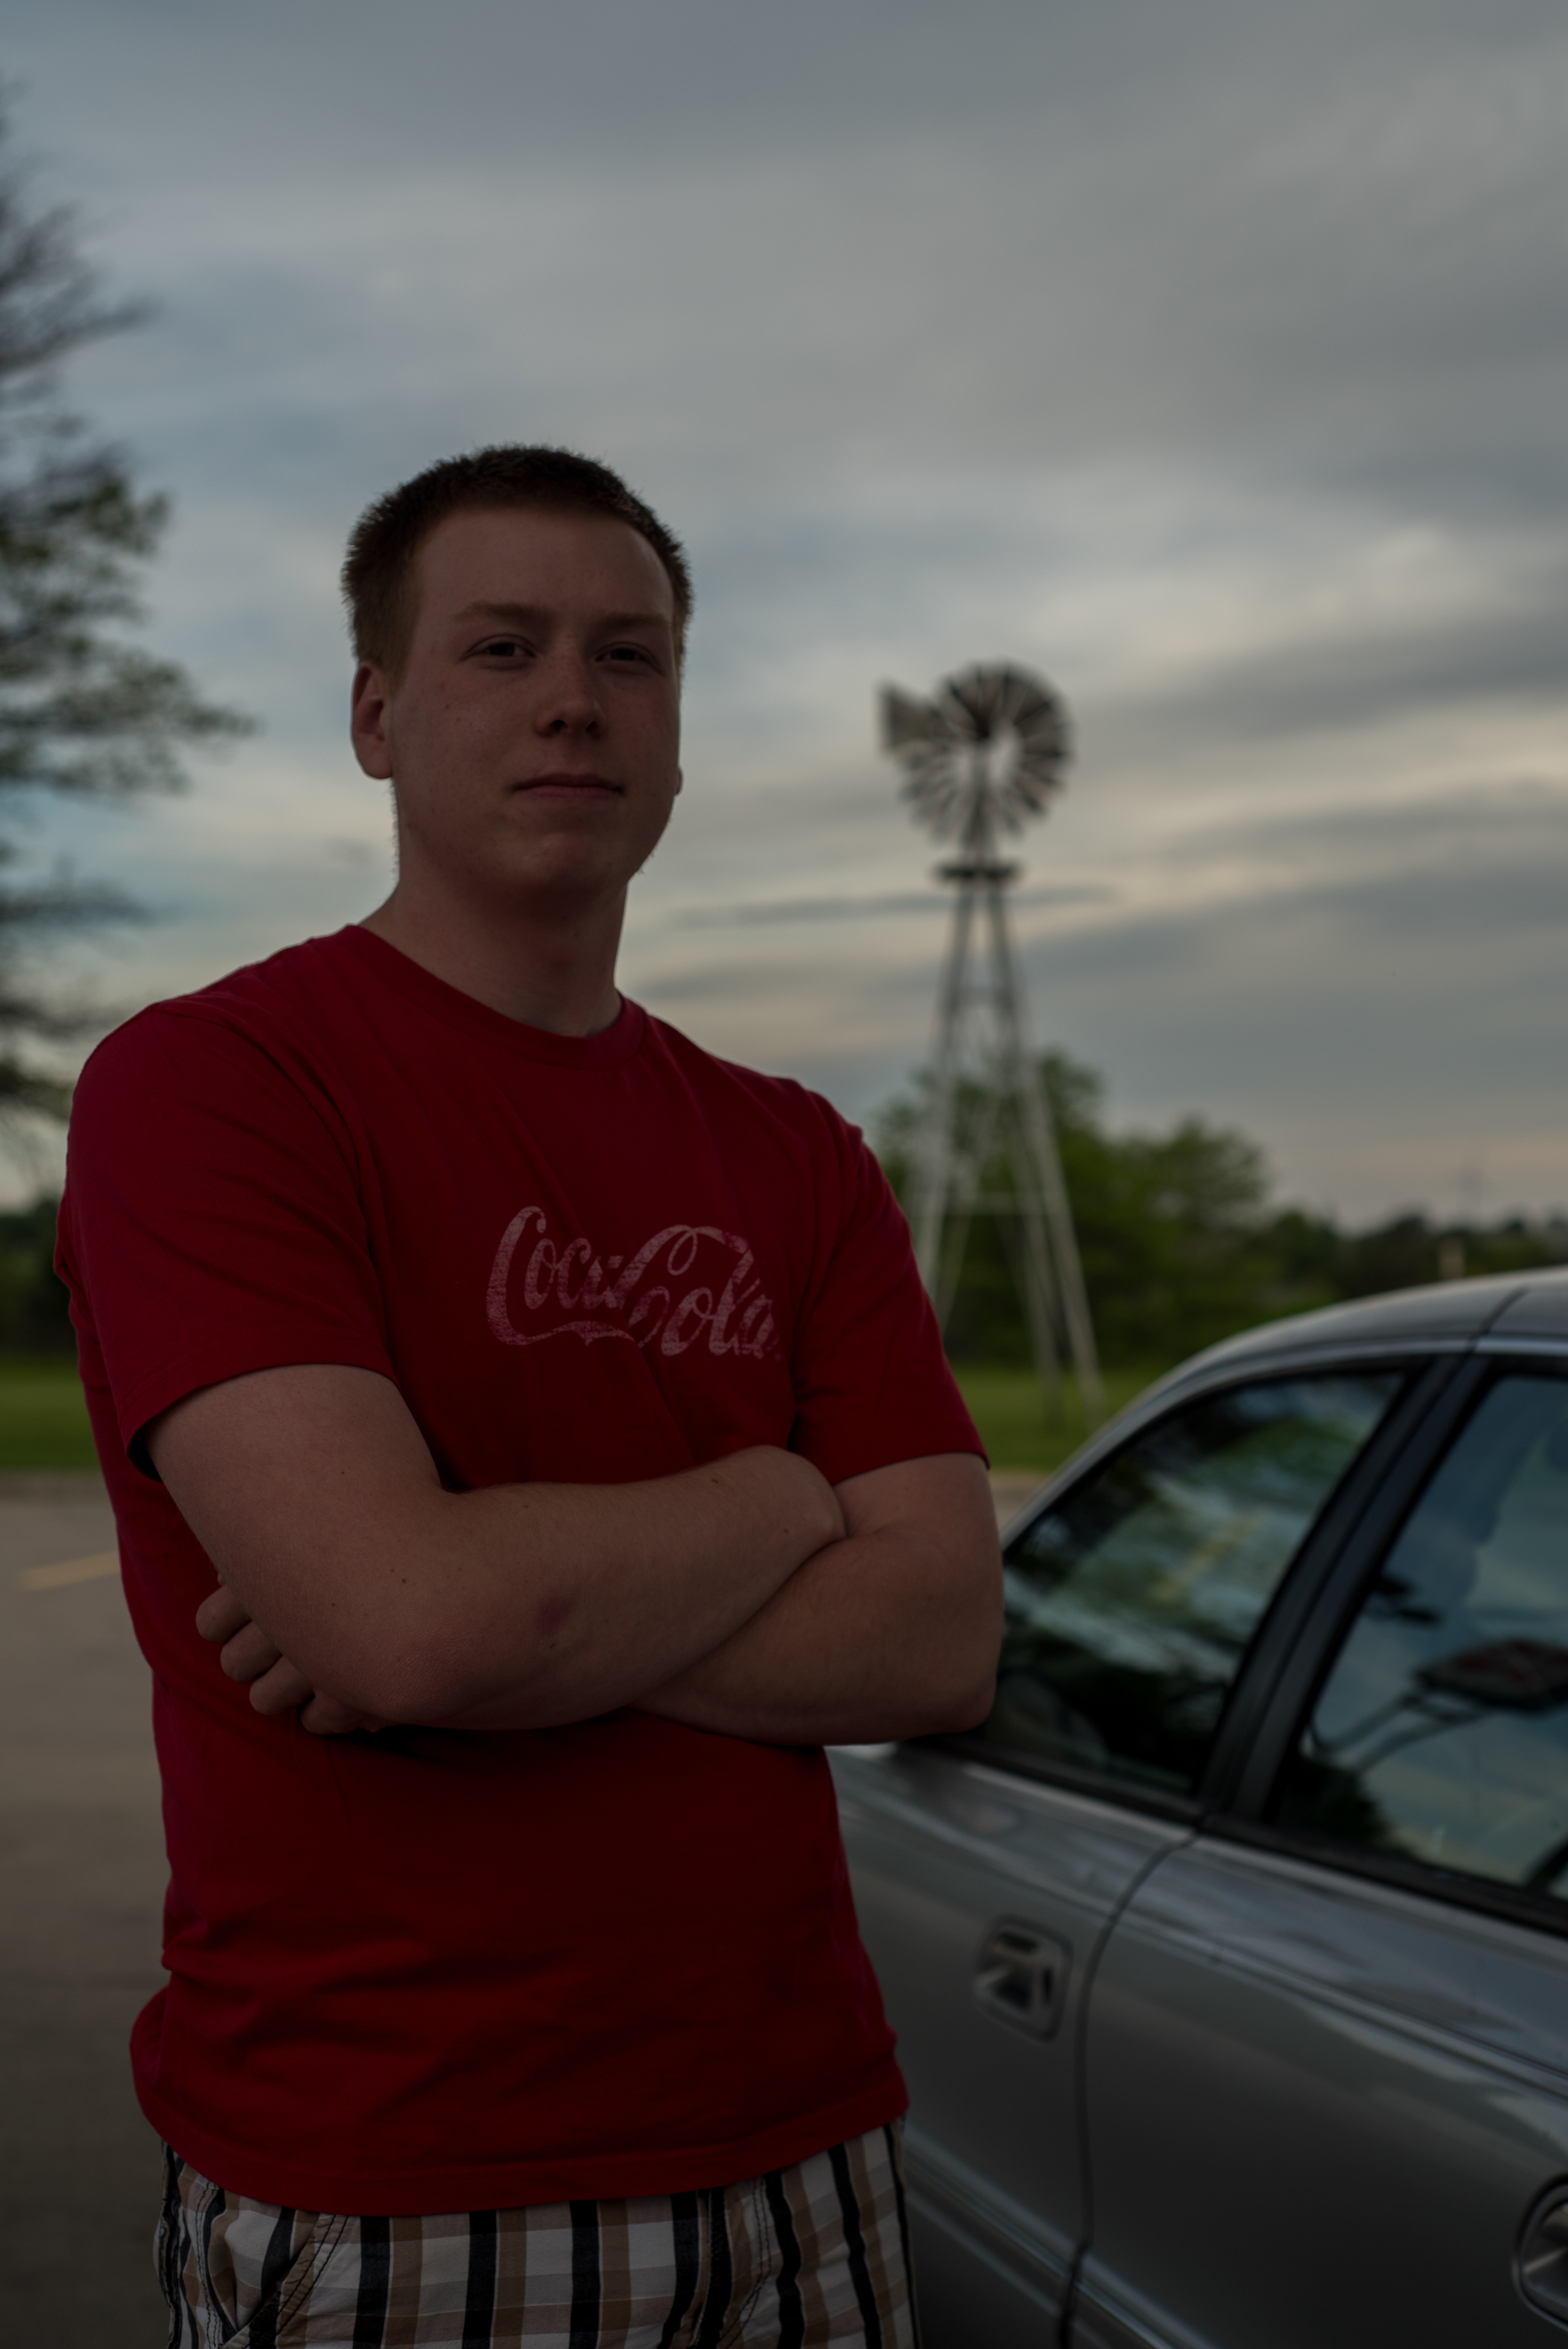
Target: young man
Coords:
[(531, 1445)]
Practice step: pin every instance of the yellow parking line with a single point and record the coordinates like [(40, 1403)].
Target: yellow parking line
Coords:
[(71, 1570)]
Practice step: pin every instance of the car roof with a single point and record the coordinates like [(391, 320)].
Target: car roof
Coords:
[(1527, 1308), (1528, 1305)]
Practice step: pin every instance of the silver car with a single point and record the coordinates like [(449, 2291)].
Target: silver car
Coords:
[(1230, 1957)]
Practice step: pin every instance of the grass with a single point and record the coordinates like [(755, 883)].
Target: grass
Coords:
[(1009, 1410), (44, 1421), (42, 1417)]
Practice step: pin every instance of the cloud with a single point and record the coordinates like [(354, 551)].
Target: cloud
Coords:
[(1199, 232), (1208, 354), (1381, 1005), (854, 909), (1503, 639)]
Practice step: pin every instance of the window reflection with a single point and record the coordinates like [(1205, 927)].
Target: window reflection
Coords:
[(1131, 1604), (1442, 1730)]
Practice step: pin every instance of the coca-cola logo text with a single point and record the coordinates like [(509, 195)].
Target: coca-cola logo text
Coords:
[(572, 1291)]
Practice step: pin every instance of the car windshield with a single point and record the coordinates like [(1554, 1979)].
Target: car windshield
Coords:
[(1132, 1601)]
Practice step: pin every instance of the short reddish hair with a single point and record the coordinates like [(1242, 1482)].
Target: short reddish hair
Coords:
[(377, 571)]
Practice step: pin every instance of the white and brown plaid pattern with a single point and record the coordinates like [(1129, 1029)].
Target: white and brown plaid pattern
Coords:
[(816, 2253)]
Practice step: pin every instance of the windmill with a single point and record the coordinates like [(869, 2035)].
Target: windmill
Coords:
[(980, 758)]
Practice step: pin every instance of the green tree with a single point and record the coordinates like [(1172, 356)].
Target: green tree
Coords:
[(82, 711), (34, 1308), (1409, 1250), (1179, 1244), (1171, 1227)]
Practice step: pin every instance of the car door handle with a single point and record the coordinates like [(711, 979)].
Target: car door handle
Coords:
[(1022, 1976)]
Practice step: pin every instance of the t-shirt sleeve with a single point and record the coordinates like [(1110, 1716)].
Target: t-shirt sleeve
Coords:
[(212, 1222), (872, 1381)]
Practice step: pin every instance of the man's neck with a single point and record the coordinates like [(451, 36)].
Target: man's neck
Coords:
[(559, 976)]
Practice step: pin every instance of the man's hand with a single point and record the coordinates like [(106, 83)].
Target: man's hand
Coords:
[(518, 1607), (276, 1685)]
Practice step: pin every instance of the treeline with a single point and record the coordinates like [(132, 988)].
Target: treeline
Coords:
[(1180, 1244), (35, 1316)]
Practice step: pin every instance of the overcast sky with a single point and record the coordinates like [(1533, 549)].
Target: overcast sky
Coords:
[(1209, 357)]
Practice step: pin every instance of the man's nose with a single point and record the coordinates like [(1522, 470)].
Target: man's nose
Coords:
[(568, 701)]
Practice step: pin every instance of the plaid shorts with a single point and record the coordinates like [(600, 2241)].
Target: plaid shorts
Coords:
[(811, 2254)]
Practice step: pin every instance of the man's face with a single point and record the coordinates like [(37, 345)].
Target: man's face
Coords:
[(533, 738)]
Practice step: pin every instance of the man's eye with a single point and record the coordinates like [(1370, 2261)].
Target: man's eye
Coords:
[(631, 653), (503, 649)]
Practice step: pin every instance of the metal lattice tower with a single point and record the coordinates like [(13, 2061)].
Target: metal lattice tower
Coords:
[(985, 755)]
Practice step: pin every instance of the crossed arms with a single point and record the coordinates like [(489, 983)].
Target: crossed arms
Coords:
[(747, 1596)]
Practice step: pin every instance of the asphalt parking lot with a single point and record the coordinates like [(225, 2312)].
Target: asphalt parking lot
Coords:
[(82, 1888)]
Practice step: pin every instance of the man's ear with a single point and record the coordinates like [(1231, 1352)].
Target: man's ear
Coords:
[(370, 720)]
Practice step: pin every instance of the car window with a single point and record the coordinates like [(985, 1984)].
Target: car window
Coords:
[(1130, 1602), (1441, 1731)]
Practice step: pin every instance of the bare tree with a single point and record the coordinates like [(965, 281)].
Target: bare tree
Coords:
[(81, 710)]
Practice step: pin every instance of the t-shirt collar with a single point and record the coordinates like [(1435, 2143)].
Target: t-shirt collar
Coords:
[(409, 979)]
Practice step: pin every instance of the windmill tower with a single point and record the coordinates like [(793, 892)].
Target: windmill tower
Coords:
[(980, 759)]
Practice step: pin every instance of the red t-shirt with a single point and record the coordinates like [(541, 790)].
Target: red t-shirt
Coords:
[(433, 1970)]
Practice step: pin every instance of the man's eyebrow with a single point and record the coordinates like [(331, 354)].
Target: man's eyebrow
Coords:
[(528, 613)]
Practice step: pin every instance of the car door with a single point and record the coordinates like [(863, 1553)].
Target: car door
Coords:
[(988, 1869), (1326, 2061)]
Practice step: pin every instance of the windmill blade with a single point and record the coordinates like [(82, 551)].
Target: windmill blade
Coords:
[(972, 702), (908, 723), (1034, 712)]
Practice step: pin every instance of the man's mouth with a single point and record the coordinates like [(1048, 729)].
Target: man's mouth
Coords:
[(567, 786)]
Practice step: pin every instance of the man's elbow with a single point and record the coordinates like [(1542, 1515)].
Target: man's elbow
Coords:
[(963, 1666), (956, 1685), (958, 1704), (962, 1638)]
